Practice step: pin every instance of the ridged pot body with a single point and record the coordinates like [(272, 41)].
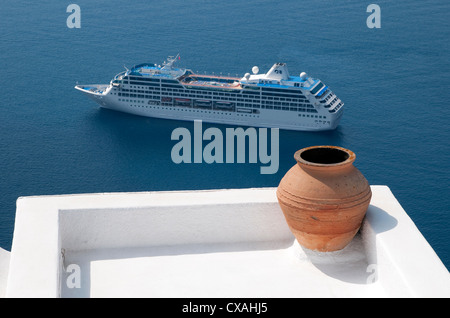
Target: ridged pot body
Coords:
[(324, 204)]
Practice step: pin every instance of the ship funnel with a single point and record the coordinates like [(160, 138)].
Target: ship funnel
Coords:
[(278, 71)]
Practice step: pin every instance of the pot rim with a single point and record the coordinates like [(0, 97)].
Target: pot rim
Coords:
[(310, 164)]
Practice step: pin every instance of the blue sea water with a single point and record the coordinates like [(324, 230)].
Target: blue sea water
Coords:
[(394, 81)]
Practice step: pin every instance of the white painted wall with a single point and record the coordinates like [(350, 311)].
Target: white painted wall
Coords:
[(117, 231)]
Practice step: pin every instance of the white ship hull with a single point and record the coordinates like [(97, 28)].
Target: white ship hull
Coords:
[(223, 103), (266, 118)]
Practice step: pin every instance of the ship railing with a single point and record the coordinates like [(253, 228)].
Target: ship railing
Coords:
[(324, 96), (327, 101), (335, 106), (332, 103)]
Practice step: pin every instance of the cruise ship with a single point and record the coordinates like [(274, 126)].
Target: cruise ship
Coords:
[(274, 99)]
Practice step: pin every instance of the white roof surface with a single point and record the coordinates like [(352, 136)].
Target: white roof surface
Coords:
[(217, 243)]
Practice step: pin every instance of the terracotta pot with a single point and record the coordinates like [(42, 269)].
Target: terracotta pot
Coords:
[(324, 197)]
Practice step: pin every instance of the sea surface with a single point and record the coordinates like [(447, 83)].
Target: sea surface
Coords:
[(394, 81)]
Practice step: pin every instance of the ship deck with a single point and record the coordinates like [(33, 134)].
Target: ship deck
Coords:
[(212, 81)]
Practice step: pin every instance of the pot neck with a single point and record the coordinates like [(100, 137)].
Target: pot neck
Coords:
[(324, 159)]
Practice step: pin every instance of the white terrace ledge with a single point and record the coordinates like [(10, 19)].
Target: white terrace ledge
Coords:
[(217, 243)]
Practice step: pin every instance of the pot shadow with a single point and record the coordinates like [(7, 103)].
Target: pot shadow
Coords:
[(357, 262)]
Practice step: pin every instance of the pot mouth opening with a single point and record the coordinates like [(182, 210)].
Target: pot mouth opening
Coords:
[(324, 156)]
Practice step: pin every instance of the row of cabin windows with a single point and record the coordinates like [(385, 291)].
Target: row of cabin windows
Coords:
[(199, 93), (276, 107), (276, 102)]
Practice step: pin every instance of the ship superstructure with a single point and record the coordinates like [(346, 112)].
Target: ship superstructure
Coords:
[(274, 99)]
